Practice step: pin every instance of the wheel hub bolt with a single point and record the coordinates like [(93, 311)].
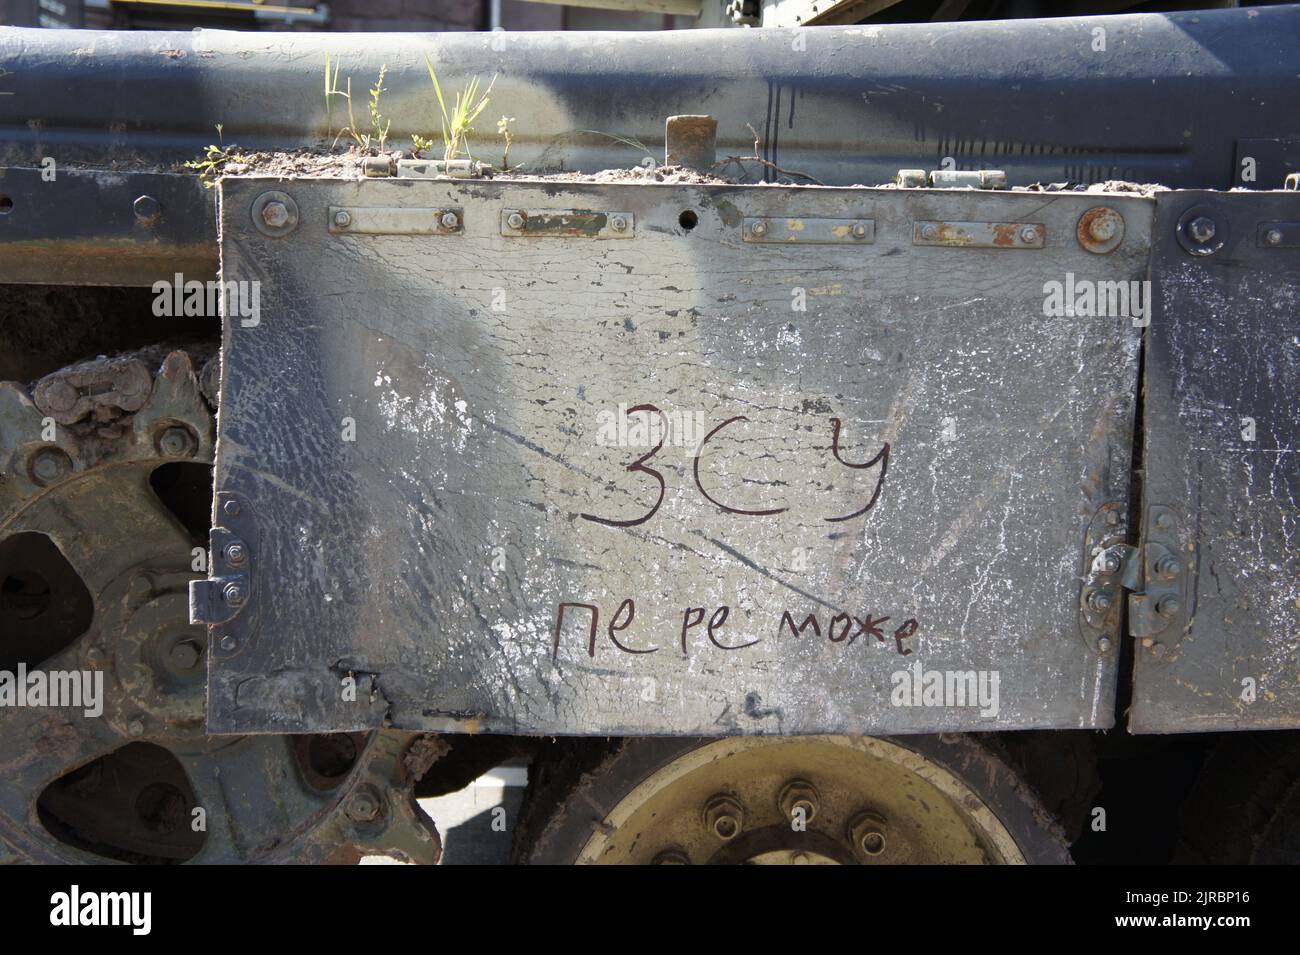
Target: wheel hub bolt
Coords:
[(799, 801), (867, 833), (186, 654), (724, 817)]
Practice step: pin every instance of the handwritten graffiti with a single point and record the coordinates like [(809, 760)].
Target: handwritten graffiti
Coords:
[(841, 628), (881, 458)]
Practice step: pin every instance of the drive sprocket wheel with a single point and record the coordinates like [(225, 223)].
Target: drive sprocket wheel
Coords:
[(105, 491)]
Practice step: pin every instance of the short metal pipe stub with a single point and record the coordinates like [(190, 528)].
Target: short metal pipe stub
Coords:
[(691, 141)]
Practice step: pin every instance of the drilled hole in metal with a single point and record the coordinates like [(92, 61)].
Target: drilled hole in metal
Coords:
[(6, 205), (688, 220), (133, 805), (185, 489), (44, 606)]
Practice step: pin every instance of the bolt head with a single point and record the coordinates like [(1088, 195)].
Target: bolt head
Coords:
[(236, 552), (275, 215), (135, 728), (1201, 229), (186, 654), (1028, 234), (867, 833), (723, 817), (233, 594), (450, 220), (147, 209), (1273, 237), (758, 228), (1157, 649), (515, 220), (50, 465), (342, 219), (1102, 228), (1111, 563), (859, 230), (228, 643), (231, 508), (1169, 606), (929, 232), (1104, 644), (177, 442), (1099, 601), (618, 223), (799, 794), (363, 805)]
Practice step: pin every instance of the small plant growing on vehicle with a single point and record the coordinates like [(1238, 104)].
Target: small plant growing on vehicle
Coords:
[(377, 137), (503, 128), (213, 160), (457, 122)]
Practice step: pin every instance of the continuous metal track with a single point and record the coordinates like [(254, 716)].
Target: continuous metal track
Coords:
[(105, 485)]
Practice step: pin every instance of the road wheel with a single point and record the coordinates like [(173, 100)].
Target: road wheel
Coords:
[(786, 800)]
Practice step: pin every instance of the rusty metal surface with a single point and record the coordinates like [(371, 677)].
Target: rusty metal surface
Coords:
[(432, 442), (96, 560), (691, 141), (90, 227), (1222, 405)]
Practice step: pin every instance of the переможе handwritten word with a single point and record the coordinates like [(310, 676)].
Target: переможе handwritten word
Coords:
[(841, 628)]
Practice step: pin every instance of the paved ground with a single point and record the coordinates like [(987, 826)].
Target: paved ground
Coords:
[(476, 823)]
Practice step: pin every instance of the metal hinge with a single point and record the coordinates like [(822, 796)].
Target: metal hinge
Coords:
[(1106, 570), (1158, 608), (217, 600), (228, 588), (1154, 574)]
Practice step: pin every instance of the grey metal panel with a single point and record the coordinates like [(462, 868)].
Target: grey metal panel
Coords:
[(430, 555), (1223, 361)]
